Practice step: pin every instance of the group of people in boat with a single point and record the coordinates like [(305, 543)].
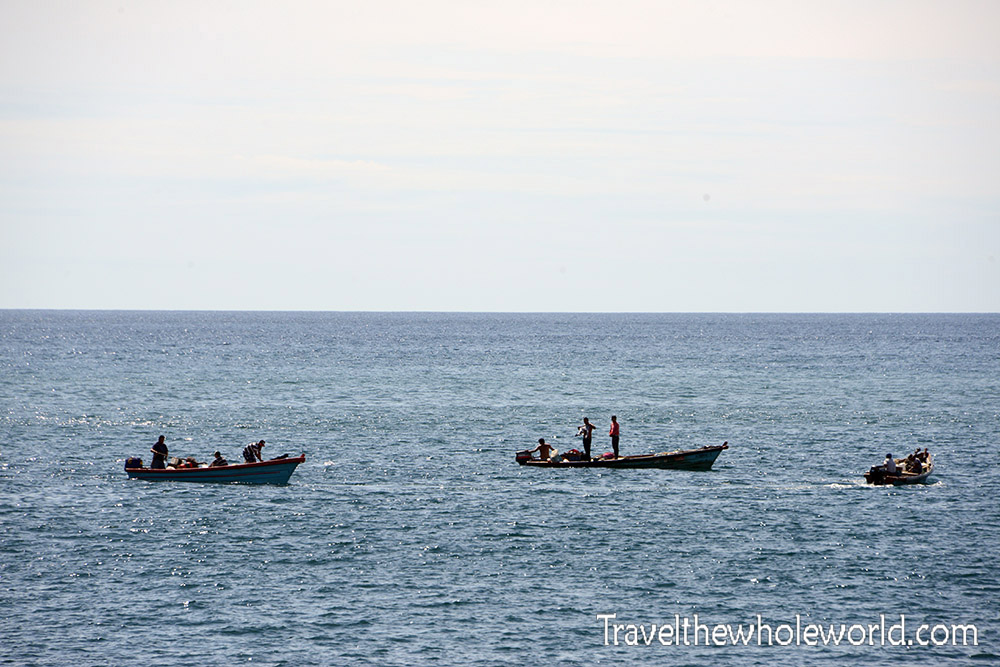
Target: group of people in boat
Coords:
[(547, 452), (162, 459), (912, 464)]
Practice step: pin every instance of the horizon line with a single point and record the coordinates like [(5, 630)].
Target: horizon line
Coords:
[(508, 312)]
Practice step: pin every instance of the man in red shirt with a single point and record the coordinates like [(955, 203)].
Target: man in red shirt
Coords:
[(614, 434)]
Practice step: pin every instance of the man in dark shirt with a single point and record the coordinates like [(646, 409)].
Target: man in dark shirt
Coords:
[(159, 454), (588, 435)]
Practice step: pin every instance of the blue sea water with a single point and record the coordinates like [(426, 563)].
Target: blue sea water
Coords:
[(410, 536)]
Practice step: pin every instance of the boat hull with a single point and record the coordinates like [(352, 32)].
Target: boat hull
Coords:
[(692, 459), (275, 471)]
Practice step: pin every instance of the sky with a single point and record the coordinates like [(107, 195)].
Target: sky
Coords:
[(543, 155)]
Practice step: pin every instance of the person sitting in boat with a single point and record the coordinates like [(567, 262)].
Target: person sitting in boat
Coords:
[(889, 465), (924, 455), (913, 464), (160, 453), (544, 450), (251, 453), (219, 461)]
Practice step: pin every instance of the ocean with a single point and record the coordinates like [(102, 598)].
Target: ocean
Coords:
[(411, 537)]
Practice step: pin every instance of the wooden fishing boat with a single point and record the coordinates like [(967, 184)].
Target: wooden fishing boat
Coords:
[(878, 476), (691, 459), (275, 471)]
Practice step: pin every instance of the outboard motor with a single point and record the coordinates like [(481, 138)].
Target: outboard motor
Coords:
[(523, 455), (132, 462), (876, 475)]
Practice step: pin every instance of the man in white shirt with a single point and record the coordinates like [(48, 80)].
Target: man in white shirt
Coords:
[(890, 465)]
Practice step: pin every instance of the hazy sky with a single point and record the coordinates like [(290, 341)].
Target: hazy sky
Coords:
[(511, 156)]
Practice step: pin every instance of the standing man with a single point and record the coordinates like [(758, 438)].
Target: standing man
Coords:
[(588, 434), (159, 454), (614, 434), (251, 453)]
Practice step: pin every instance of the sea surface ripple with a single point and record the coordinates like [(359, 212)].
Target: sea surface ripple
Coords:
[(410, 536)]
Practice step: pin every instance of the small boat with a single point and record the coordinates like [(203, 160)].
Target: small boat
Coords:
[(275, 471), (878, 476), (690, 459)]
